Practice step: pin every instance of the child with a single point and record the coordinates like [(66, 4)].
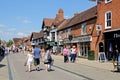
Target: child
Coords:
[(29, 60)]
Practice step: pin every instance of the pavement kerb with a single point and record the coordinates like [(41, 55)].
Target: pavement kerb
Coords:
[(92, 63)]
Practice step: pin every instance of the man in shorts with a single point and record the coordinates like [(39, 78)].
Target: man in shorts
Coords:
[(37, 54)]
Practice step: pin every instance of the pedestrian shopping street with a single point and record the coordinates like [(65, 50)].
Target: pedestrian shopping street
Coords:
[(12, 68)]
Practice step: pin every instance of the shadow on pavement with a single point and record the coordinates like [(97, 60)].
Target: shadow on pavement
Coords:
[(116, 71), (1, 65), (37, 70), (1, 58)]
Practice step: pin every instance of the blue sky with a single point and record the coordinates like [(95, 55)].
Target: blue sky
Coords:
[(19, 18)]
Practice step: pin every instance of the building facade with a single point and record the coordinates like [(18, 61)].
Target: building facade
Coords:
[(109, 21), (81, 27)]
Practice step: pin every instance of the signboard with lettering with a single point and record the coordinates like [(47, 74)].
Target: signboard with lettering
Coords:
[(102, 57)]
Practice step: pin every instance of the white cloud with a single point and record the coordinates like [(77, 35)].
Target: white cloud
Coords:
[(2, 25), (66, 17), (21, 34), (26, 21), (12, 29)]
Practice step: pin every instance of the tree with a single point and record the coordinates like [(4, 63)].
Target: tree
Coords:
[(9, 43)]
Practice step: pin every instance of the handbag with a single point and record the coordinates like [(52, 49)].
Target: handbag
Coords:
[(46, 61)]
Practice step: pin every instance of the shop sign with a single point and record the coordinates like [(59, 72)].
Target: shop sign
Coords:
[(116, 35), (85, 39), (79, 39)]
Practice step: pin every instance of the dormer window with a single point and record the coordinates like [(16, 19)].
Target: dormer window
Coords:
[(107, 1)]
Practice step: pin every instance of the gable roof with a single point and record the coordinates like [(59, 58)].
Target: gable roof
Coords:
[(48, 22), (17, 41), (36, 35)]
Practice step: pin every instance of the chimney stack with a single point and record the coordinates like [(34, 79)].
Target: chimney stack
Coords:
[(75, 14)]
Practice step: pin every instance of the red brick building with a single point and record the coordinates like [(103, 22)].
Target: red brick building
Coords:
[(102, 31), (82, 29), (108, 18)]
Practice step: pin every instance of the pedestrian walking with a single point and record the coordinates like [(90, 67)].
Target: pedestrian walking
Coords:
[(42, 51), (37, 55), (29, 60), (3, 50), (65, 54), (73, 53), (48, 59)]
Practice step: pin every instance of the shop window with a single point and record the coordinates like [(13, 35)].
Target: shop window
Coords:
[(68, 32), (60, 34), (108, 19)]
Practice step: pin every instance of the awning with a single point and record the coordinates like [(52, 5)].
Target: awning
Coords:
[(51, 43), (111, 30)]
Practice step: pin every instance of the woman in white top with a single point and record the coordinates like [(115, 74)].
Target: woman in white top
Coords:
[(73, 54), (29, 60)]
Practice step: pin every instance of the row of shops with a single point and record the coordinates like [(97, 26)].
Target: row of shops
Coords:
[(109, 45)]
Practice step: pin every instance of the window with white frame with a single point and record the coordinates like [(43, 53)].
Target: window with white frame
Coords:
[(108, 19), (107, 1), (66, 34), (53, 36), (60, 34), (83, 31), (69, 32)]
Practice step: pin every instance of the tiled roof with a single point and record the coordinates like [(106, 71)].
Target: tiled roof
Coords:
[(48, 22), (17, 41), (81, 17), (41, 34), (66, 21), (36, 35)]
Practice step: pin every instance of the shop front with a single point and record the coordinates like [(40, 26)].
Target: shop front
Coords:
[(112, 43), (60, 46), (84, 45)]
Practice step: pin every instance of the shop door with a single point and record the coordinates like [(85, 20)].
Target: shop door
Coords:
[(84, 47), (101, 49)]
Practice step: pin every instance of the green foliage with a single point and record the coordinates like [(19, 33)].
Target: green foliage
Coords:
[(9, 43)]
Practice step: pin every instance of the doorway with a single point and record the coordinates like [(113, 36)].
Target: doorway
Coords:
[(84, 48), (101, 47)]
